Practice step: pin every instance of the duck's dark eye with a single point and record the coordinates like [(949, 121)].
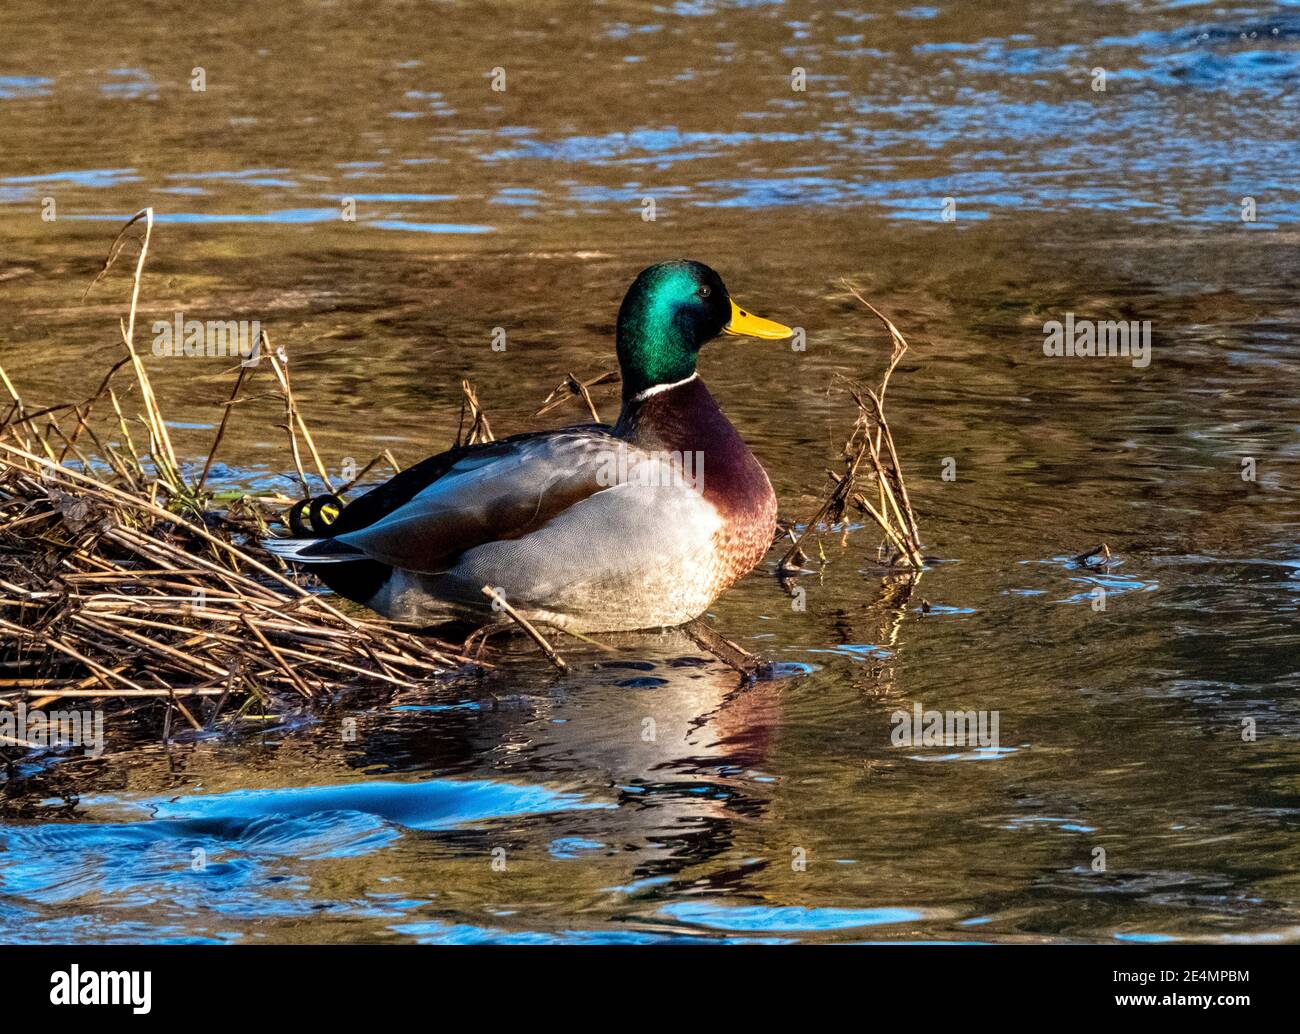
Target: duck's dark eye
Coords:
[(704, 291)]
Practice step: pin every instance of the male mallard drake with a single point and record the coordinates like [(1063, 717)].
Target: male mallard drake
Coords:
[(589, 528)]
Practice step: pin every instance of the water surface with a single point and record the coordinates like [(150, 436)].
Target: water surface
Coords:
[(531, 806)]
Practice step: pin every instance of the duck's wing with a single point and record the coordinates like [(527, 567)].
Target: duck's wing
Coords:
[(423, 518), (402, 487)]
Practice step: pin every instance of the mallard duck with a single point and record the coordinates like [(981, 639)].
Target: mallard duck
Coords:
[(589, 528)]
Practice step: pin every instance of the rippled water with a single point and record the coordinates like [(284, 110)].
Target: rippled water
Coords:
[(780, 811)]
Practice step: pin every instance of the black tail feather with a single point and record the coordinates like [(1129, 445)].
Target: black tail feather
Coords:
[(320, 512)]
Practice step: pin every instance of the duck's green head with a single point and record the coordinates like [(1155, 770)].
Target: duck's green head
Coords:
[(669, 312)]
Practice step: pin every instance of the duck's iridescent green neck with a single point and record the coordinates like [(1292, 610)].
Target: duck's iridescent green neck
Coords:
[(652, 355), (670, 311)]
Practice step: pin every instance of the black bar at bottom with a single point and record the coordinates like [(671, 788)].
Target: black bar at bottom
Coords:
[(373, 981)]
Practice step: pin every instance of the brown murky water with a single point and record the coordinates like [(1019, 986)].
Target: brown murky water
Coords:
[(783, 811)]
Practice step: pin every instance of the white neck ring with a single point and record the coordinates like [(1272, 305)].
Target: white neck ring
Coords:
[(643, 395)]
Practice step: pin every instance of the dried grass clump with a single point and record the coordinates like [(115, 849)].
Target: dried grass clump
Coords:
[(870, 456), (120, 579)]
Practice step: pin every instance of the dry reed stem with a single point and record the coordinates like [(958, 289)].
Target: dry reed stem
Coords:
[(731, 654), (570, 388), (479, 429), (500, 601), (221, 427), (871, 443), (280, 367)]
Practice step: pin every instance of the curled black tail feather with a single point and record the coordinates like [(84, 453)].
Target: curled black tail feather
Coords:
[(315, 525), (321, 511)]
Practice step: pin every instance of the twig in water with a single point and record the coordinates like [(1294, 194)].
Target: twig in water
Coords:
[(500, 601), (731, 654), (1089, 558), (870, 451)]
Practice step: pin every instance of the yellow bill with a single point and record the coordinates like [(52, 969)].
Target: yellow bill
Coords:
[(746, 324)]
